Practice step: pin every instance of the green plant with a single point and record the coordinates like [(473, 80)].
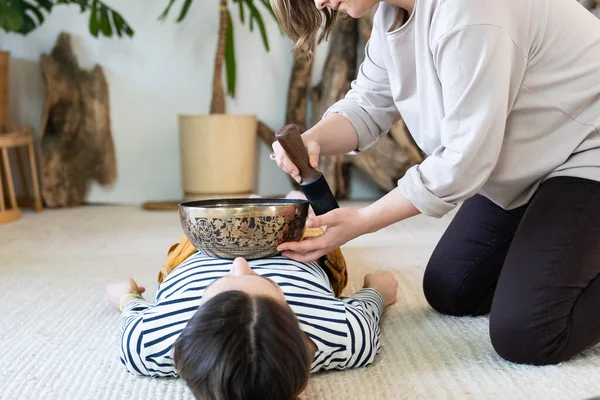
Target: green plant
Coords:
[(226, 47), (24, 16)]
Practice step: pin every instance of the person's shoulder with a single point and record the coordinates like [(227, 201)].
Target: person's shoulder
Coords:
[(447, 16)]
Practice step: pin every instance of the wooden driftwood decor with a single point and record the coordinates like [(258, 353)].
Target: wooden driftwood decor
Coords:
[(4, 67), (76, 142)]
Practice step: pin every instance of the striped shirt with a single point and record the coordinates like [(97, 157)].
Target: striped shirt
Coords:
[(345, 330)]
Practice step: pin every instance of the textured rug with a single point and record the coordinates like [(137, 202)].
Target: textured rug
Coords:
[(60, 340)]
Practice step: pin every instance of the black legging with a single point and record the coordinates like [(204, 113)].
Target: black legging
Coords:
[(535, 269)]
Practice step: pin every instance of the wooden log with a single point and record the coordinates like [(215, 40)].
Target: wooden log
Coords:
[(296, 109), (217, 105), (389, 159), (4, 72), (299, 85), (265, 134), (298, 92), (76, 140), (338, 73), (400, 134)]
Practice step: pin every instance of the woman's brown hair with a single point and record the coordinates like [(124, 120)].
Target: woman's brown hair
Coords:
[(241, 347), (301, 21)]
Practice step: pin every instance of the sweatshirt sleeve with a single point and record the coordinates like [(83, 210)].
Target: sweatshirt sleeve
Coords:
[(136, 346), (369, 105), (480, 70), (363, 313)]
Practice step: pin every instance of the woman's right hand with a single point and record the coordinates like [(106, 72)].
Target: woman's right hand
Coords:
[(283, 161)]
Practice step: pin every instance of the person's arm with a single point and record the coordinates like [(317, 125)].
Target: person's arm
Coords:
[(363, 314), (334, 133), (147, 337), (136, 350), (132, 340), (480, 69), (368, 106), (355, 122), (345, 224)]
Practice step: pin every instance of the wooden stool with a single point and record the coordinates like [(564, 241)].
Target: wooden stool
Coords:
[(16, 139)]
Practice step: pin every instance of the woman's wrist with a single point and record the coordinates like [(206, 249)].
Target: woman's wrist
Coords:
[(391, 208)]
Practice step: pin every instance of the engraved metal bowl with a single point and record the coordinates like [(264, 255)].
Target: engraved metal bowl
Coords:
[(249, 228)]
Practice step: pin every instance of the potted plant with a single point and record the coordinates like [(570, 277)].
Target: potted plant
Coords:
[(218, 150)]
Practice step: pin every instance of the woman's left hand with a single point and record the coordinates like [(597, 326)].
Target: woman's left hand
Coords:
[(343, 225)]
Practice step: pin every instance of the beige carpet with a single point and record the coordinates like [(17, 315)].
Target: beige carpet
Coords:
[(60, 341)]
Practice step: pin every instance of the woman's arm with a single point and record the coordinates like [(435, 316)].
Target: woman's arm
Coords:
[(356, 122), (369, 105), (481, 70), (345, 224), (334, 133)]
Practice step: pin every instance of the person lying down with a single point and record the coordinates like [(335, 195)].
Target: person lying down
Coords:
[(250, 330)]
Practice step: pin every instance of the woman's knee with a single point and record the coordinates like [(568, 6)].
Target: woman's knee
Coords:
[(449, 290), (517, 339), (438, 289)]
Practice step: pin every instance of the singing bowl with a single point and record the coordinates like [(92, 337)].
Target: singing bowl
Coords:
[(249, 228)]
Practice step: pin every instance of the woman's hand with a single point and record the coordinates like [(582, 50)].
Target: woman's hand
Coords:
[(343, 225), (284, 162), (115, 291)]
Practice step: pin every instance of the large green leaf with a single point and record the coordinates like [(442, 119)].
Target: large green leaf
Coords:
[(23, 16), (45, 4), (255, 15), (11, 19), (184, 10), (105, 22), (28, 12), (84, 5), (118, 21), (33, 10), (29, 25), (167, 10), (94, 19), (128, 30), (230, 57), (241, 9)]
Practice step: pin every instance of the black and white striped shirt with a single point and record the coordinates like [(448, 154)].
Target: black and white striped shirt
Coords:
[(345, 330)]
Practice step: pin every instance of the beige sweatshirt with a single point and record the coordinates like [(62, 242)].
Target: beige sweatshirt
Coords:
[(501, 95)]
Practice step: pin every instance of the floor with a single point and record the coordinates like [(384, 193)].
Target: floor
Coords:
[(60, 340)]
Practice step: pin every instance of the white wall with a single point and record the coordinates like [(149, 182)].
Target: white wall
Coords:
[(163, 71)]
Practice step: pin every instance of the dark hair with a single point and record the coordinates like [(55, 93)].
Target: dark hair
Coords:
[(242, 347), (301, 21)]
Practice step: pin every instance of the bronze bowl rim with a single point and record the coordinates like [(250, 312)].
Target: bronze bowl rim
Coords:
[(230, 204)]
